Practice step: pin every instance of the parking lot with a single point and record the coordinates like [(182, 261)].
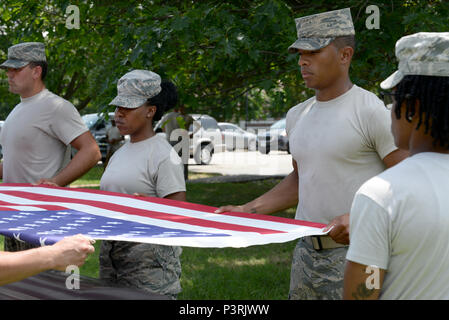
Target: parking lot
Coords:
[(246, 163)]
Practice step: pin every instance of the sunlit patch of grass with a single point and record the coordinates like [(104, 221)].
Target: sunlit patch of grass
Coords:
[(256, 272), (201, 175), (237, 262)]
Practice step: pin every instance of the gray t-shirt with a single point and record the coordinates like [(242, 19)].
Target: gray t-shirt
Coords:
[(338, 145), (35, 136), (150, 167)]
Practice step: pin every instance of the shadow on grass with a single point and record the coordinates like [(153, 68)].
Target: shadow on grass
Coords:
[(256, 273)]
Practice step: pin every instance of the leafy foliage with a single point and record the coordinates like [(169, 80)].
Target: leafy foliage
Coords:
[(228, 59)]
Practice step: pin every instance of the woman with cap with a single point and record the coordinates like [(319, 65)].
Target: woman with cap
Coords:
[(147, 165)]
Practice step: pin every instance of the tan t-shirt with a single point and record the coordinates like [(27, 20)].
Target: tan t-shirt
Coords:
[(35, 137), (338, 145), (150, 167)]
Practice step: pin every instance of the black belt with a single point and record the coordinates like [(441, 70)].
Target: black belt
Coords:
[(323, 242)]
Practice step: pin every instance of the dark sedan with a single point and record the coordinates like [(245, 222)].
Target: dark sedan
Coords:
[(275, 138)]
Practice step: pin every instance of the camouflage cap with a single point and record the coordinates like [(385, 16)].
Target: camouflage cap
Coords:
[(423, 53), (21, 54), (136, 87), (318, 30)]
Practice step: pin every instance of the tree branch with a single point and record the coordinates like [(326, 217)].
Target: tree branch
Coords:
[(80, 106), (70, 88)]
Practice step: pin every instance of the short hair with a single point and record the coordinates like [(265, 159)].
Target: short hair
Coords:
[(344, 41), (432, 92), (43, 65)]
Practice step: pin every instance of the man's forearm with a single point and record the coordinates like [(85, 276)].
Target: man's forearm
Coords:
[(82, 162), (362, 282), (283, 196), (73, 250), (16, 266)]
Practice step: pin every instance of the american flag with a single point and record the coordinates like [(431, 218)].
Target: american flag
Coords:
[(43, 215)]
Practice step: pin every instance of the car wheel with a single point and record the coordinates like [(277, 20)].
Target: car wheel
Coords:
[(265, 150), (234, 145), (252, 145), (203, 155)]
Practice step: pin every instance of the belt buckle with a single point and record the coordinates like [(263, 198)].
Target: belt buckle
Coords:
[(316, 242)]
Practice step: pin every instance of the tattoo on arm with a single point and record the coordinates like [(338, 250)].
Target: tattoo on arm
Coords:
[(253, 210), (362, 292)]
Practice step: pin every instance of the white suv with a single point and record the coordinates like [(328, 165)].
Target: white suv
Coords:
[(205, 138)]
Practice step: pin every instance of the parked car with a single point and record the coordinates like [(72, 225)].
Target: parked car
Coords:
[(275, 138), (237, 138), (205, 138), (97, 125)]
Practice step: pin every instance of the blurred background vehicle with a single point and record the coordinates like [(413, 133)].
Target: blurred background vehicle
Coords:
[(97, 125), (205, 138), (275, 138), (237, 138)]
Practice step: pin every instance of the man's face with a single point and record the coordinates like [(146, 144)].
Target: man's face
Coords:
[(319, 68), (20, 80)]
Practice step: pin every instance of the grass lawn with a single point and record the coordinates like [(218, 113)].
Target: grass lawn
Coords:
[(257, 272)]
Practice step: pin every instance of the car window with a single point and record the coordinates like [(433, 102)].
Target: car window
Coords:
[(209, 124), (90, 120), (95, 122), (279, 124), (100, 124), (226, 127)]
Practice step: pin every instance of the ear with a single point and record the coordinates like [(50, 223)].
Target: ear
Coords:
[(36, 72), (346, 54), (151, 111)]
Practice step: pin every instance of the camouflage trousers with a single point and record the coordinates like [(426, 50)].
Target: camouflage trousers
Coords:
[(13, 245), (317, 275), (153, 268)]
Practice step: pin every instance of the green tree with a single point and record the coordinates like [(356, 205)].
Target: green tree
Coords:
[(228, 59)]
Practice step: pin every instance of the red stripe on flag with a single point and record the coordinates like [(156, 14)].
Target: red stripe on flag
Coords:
[(7, 209), (46, 207), (141, 212), (275, 219), (51, 208), (209, 209), (169, 202), (4, 203), (164, 201)]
